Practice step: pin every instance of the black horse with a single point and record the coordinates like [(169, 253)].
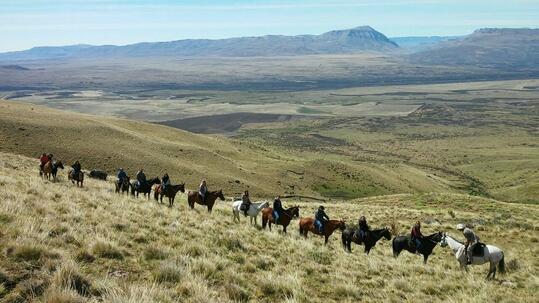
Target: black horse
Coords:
[(122, 187), (54, 169), (427, 245), (349, 235), (144, 188)]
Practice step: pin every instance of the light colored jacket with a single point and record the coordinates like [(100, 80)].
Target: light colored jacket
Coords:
[(470, 236)]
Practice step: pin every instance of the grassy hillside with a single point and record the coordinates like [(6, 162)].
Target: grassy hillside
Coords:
[(234, 165), (60, 243)]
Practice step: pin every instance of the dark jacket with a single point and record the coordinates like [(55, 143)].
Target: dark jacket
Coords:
[(165, 180), (122, 175), (363, 226), (141, 177), (246, 200), (76, 166), (277, 206), (321, 215)]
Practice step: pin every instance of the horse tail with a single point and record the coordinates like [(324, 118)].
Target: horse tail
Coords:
[(396, 250), (501, 264), (156, 194), (344, 240)]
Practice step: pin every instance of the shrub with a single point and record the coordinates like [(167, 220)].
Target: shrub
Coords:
[(68, 277), (107, 250), (154, 253), (168, 273)]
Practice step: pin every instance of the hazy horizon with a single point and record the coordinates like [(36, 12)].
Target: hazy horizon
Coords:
[(29, 23)]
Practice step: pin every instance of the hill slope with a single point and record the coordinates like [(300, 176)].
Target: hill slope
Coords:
[(60, 243), (489, 47), (363, 38), (234, 165)]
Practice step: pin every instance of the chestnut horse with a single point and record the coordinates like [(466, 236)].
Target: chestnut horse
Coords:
[(50, 169), (170, 192), (286, 216), (78, 178), (306, 225), (194, 197)]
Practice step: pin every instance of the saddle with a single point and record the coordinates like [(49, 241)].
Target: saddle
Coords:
[(479, 250)]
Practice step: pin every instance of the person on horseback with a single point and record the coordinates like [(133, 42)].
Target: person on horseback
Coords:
[(141, 177), (76, 168), (321, 217), (246, 202), (277, 208), (471, 240), (203, 190), (42, 161), (50, 156), (165, 181), (416, 236), (363, 228), (122, 175)]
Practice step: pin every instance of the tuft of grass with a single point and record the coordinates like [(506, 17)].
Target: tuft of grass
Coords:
[(68, 277), (168, 272), (154, 253), (106, 250)]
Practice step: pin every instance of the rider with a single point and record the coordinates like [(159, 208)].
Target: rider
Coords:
[(43, 160), (76, 168), (165, 181), (416, 235), (141, 177), (203, 190), (277, 208), (321, 217), (363, 228), (122, 176), (471, 240), (246, 202)]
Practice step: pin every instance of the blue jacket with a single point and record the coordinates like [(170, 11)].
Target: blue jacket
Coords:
[(321, 215), (122, 175), (277, 206)]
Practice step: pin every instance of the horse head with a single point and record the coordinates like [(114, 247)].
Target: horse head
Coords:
[(59, 164), (386, 233), (342, 225), (220, 195), (182, 187), (443, 240), (437, 237), (295, 211)]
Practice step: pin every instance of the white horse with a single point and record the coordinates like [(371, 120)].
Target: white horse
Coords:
[(491, 254), (253, 211)]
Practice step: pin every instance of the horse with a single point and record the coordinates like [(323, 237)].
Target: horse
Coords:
[(490, 253), (427, 245), (306, 225), (50, 169), (253, 211), (286, 216), (194, 197), (124, 186), (78, 178), (170, 192), (349, 235), (144, 188)]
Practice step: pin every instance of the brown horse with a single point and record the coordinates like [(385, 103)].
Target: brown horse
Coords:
[(122, 187), (170, 192), (50, 169), (194, 197), (286, 216), (78, 178), (306, 225)]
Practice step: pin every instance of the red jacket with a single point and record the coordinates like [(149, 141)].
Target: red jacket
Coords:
[(416, 232), (44, 159)]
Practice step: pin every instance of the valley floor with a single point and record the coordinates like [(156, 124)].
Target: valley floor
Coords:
[(60, 243)]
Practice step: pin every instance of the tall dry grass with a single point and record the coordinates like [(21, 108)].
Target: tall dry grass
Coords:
[(60, 243)]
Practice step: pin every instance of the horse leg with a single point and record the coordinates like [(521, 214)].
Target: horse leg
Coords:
[(269, 224), (284, 228), (326, 239), (425, 259)]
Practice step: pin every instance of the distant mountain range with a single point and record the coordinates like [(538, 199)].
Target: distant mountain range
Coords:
[(495, 48), (488, 47), (359, 39)]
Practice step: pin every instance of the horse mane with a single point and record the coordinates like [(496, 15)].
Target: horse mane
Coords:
[(447, 235)]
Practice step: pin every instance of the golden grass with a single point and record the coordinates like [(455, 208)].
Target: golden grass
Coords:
[(57, 241)]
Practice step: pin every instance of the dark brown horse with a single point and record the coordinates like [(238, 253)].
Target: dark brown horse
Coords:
[(349, 235), (170, 192), (78, 178), (286, 216), (124, 186), (144, 188), (306, 225), (50, 169), (194, 197)]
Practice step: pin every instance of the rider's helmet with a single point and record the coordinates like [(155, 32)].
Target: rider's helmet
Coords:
[(460, 226)]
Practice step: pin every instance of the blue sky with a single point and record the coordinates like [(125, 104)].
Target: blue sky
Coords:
[(28, 23)]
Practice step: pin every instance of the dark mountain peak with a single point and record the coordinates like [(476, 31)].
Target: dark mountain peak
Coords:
[(360, 34)]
